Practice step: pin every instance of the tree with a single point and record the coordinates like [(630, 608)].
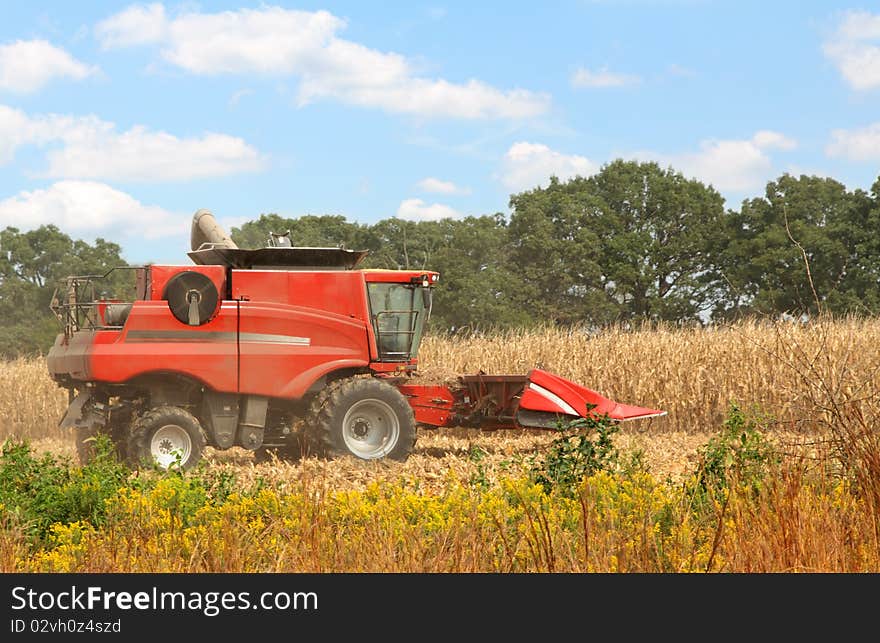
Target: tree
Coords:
[(556, 251), (632, 242), (660, 241), (808, 244), (32, 265), (320, 231), (404, 245), (477, 289)]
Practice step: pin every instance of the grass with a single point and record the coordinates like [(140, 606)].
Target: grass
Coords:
[(784, 520)]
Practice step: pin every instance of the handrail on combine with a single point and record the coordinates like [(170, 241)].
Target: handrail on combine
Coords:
[(388, 340), (81, 309)]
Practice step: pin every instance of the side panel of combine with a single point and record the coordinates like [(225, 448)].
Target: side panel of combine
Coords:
[(154, 341), (296, 327)]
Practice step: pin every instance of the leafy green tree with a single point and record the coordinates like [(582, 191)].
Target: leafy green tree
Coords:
[(807, 244), (320, 231), (404, 245), (32, 265), (556, 251), (477, 290), (632, 242), (476, 287), (660, 241)]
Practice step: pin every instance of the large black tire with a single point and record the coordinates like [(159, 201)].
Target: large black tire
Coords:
[(166, 437), (362, 417)]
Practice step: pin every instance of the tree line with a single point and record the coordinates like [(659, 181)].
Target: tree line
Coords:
[(634, 242)]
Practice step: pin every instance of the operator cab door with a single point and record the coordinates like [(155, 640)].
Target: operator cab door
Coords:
[(398, 312)]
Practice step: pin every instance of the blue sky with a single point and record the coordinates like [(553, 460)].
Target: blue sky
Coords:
[(121, 120)]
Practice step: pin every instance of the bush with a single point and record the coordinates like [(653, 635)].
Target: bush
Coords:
[(739, 454), (576, 454), (37, 492)]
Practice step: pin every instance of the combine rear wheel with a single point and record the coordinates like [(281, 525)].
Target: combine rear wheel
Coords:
[(363, 417), (168, 436)]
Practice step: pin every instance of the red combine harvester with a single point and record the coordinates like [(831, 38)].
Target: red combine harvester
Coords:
[(279, 349)]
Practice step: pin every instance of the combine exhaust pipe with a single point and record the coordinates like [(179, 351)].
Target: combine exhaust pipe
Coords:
[(207, 233)]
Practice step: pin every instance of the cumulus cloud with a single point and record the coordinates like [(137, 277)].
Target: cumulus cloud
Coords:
[(855, 49), (437, 186), (856, 145), (135, 25), (530, 165), (584, 78), (93, 149), (277, 41), (728, 165), (88, 208), (28, 65), (418, 210)]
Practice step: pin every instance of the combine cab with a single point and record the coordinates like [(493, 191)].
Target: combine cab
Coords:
[(282, 349)]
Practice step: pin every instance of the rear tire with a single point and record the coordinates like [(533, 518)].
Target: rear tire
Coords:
[(363, 417), (166, 437)]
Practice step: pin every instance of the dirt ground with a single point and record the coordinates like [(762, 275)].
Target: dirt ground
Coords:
[(441, 453)]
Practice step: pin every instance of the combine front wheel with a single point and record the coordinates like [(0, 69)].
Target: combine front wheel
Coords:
[(363, 417), (168, 436)]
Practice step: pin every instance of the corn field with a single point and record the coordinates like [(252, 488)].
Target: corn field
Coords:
[(692, 373), (464, 501)]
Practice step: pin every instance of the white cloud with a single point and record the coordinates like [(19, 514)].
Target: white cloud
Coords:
[(28, 65), (437, 186), (855, 49), (93, 149), (277, 41), (603, 78), (530, 165), (141, 155), (768, 139), (856, 145), (418, 210), (136, 25), (88, 207), (680, 71), (728, 165)]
